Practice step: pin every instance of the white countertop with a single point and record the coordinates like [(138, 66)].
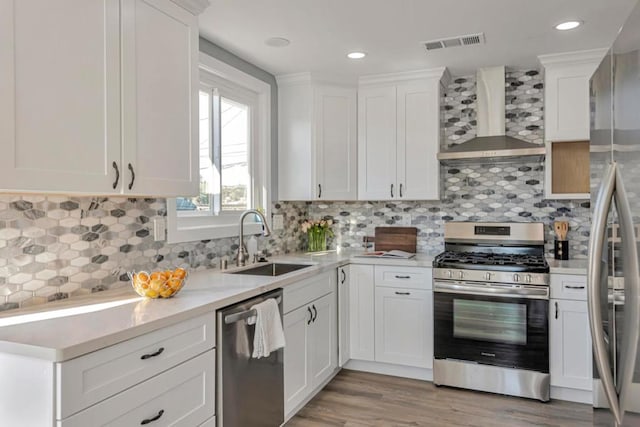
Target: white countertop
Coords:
[(71, 328), (65, 330), (572, 266)]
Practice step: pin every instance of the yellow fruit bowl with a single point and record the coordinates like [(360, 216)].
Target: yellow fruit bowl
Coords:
[(158, 284)]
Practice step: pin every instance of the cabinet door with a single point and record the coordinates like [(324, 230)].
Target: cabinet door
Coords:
[(335, 153), (402, 327), (297, 383), (323, 339), (343, 315), (377, 143), (361, 314), (567, 103), (570, 361), (418, 141), (59, 101), (160, 98)]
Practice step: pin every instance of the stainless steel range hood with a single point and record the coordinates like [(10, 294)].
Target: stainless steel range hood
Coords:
[(491, 144)]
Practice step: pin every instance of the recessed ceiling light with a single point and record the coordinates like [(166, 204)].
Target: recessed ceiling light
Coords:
[(569, 25), (356, 55), (277, 42)]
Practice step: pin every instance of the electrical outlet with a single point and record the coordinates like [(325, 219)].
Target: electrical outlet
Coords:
[(159, 230), (406, 219), (277, 222)]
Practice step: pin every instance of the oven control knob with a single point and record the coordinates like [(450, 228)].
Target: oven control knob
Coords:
[(516, 277), (449, 274), (487, 276), (527, 278), (461, 275)]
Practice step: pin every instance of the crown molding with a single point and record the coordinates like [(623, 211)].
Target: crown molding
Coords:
[(432, 73), (581, 57), (194, 6), (315, 78)]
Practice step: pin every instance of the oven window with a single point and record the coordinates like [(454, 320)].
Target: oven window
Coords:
[(490, 321)]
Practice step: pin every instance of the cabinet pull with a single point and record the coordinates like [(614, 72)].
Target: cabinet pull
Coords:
[(403, 293), (319, 191), (556, 309), (392, 190), (344, 276), (133, 176), (400, 190), (573, 287), (150, 420), (150, 355), (115, 183), (403, 277), (310, 316), (315, 313)]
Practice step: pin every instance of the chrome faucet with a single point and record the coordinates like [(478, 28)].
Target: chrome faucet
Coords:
[(241, 257)]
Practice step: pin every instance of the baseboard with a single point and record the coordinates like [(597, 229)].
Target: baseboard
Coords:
[(572, 395), (311, 395), (390, 369)]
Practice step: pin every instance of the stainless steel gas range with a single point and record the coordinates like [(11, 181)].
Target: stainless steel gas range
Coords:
[(491, 301)]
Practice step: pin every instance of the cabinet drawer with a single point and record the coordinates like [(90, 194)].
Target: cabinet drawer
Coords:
[(565, 286), (182, 396), (305, 291), (403, 277), (91, 378)]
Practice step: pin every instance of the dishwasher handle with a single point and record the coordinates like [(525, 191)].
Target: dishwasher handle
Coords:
[(243, 315)]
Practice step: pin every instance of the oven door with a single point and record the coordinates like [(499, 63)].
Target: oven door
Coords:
[(493, 324)]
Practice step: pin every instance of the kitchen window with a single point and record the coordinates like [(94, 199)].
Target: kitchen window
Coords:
[(233, 156)]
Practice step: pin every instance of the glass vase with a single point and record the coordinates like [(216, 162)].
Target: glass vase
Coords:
[(317, 239)]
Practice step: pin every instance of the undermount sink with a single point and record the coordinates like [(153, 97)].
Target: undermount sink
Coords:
[(271, 269)]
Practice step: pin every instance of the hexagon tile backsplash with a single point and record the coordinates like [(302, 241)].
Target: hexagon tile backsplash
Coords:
[(58, 247)]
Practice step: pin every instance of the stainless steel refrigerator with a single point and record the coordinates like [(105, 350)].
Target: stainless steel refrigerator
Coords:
[(614, 272)]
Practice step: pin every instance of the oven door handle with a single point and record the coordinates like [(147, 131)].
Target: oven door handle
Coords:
[(529, 292)]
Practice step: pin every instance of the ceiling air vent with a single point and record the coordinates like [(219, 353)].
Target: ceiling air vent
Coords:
[(466, 40)]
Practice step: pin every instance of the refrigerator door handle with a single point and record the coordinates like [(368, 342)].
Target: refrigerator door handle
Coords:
[(597, 240), (631, 271)]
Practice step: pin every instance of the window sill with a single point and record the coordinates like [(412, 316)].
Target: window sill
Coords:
[(185, 233)]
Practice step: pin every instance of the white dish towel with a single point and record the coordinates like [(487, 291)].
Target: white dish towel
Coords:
[(269, 335)]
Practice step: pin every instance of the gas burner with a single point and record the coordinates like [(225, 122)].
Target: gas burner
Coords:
[(492, 261)]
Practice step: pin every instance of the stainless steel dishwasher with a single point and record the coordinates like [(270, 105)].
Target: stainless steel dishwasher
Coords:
[(250, 392)]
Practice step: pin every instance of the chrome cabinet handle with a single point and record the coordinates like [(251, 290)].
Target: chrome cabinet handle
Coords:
[(596, 242), (400, 190), (403, 293), (403, 277), (556, 309), (573, 287), (115, 183), (150, 420), (315, 313), (344, 276), (319, 191), (133, 176), (392, 190), (150, 355), (310, 316), (631, 269)]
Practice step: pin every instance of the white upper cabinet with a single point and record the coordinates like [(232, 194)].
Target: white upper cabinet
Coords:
[(566, 122), (566, 95), (399, 136), (117, 86), (317, 139)]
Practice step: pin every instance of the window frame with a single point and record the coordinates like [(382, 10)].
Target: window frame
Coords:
[(190, 228)]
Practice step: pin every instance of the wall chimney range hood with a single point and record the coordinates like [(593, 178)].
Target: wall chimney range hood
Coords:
[(491, 144)]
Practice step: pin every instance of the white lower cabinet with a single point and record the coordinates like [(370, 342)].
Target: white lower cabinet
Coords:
[(361, 312), (344, 354), (311, 334), (181, 396), (404, 325), (570, 360)]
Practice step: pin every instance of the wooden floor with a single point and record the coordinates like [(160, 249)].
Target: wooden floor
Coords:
[(363, 399)]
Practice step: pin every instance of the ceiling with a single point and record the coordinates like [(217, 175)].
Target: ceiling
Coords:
[(322, 32)]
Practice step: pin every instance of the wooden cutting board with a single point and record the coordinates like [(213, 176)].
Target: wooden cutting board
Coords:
[(401, 238)]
